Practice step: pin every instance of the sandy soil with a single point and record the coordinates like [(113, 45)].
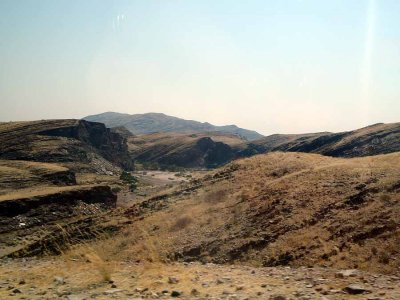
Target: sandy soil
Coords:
[(58, 279)]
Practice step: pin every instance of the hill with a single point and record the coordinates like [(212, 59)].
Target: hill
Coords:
[(176, 143), (371, 140), (157, 122), (180, 150), (76, 144), (284, 209), (212, 149)]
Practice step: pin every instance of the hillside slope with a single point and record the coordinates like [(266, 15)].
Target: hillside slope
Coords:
[(157, 122), (169, 150), (371, 140), (285, 209), (76, 144), (174, 149)]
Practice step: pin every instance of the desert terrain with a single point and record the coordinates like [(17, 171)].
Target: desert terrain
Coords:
[(279, 225)]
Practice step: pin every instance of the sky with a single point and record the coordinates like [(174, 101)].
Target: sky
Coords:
[(284, 66)]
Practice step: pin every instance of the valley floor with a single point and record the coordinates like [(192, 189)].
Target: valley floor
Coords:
[(77, 279)]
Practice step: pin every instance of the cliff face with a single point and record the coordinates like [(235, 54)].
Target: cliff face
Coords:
[(111, 145), (78, 143)]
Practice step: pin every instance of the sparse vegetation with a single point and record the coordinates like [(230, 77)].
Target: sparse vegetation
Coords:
[(182, 222), (269, 210), (130, 180)]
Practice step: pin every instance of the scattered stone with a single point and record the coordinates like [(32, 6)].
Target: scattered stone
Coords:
[(141, 290), (277, 297), (172, 280), (22, 281), (220, 281), (59, 280), (194, 292), (113, 286), (16, 291), (346, 273), (355, 289), (175, 294), (41, 293), (113, 291), (382, 293)]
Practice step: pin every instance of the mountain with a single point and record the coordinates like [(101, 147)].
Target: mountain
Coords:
[(157, 122), (371, 140)]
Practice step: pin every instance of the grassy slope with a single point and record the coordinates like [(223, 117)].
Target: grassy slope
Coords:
[(17, 175), (287, 208)]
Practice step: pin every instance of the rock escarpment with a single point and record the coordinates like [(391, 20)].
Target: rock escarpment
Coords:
[(77, 144)]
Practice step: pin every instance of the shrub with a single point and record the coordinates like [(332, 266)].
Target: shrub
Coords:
[(130, 179)]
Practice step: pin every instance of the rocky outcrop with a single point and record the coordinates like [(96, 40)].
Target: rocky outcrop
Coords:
[(64, 198), (111, 145), (77, 143)]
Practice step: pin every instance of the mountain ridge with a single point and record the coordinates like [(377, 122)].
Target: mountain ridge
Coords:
[(160, 122)]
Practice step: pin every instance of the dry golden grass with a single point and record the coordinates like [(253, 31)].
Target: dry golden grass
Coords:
[(286, 193), (298, 199), (41, 191), (16, 174), (92, 178)]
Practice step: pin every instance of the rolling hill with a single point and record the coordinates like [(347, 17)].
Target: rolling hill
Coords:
[(157, 122), (212, 149), (295, 209), (371, 140), (171, 150)]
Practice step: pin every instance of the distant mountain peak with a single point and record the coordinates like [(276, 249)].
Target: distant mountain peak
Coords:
[(160, 122)]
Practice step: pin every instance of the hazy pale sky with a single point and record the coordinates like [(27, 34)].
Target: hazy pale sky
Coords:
[(272, 66)]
